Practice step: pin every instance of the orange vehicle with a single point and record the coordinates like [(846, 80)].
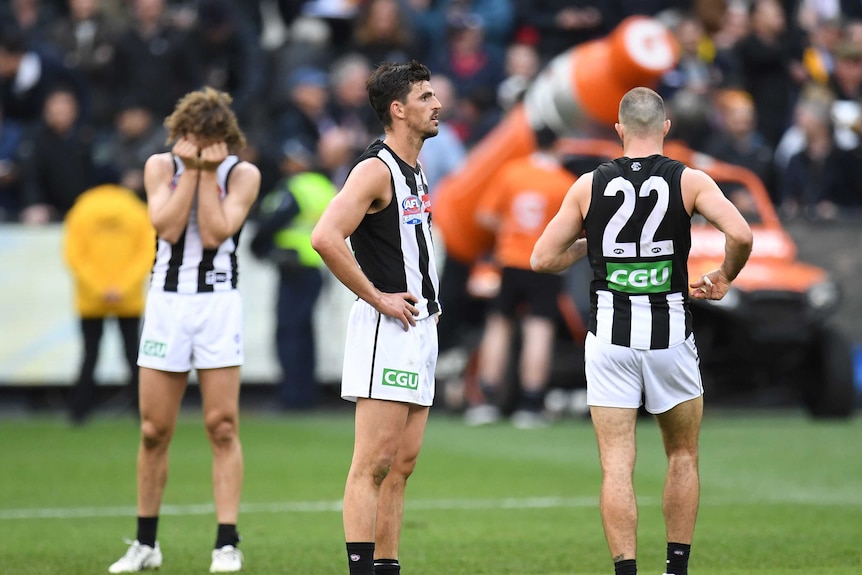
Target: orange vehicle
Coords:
[(770, 333)]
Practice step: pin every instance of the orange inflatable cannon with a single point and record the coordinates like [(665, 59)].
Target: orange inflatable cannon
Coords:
[(578, 88)]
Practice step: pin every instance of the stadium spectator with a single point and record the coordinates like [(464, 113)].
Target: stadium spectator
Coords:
[(306, 115), (383, 32), (816, 175), (10, 169), (33, 18), (199, 196), (640, 349), (27, 76), (468, 62), (557, 25), (520, 69), (694, 71), (519, 202), (57, 161), (444, 153), (228, 56), (153, 60), (286, 217), (348, 103), (771, 68), (738, 142), (818, 58), (85, 41), (136, 136), (497, 19), (109, 245)]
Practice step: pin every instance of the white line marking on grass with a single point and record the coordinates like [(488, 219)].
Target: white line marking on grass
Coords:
[(423, 505)]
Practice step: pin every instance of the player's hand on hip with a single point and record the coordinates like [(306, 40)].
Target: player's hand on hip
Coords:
[(712, 285), (400, 306), (213, 155)]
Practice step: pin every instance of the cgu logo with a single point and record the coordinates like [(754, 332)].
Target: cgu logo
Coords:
[(396, 378), (640, 278), (154, 348)]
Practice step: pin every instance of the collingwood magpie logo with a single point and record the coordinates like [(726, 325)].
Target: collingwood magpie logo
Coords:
[(636, 166)]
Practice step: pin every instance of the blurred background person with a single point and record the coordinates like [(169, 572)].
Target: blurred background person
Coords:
[(109, 246), (444, 153), (228, 56), (770, 57), (57, 161), (154, 60), (286, 218), (28, 76), (815, 175), (383, 32), (737, 140), (523, 197), (10, 169), (85, 41), (520, 69), (136, 136)]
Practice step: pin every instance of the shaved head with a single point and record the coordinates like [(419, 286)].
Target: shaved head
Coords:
[(642, 112)]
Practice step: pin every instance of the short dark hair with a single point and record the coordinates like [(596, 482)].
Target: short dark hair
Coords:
[(392, 81)]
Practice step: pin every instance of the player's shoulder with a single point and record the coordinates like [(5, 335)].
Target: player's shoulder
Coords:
[(160, 162), (246, 169)]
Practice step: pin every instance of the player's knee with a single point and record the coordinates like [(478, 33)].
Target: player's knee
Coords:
[(153, 435), (683, 457), (379, 473), (221, 430)]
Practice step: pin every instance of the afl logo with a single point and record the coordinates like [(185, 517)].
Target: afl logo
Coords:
[(411, 210), (636, 166), (618, 251), (655, 250)]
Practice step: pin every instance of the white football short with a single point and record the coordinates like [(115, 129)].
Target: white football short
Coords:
[(185, 331), (382, 361), (620, 376)]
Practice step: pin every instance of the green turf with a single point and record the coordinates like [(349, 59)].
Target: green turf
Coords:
[(781, 495)]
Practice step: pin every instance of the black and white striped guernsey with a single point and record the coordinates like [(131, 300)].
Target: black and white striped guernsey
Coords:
[(186, 266), (394, 246), (639, 239)]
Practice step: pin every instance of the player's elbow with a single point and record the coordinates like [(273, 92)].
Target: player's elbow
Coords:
[(744, 239), (320, 241), (539, 263)]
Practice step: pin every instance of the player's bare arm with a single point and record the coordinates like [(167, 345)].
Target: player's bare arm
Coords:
[(169, 209), (559, 245), (702, 195), (219, 219), (368, 189)]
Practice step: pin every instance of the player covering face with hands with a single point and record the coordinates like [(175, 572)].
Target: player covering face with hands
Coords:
[(198, 197)]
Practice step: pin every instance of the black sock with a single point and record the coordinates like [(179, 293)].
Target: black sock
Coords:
[(227, 535), (147, 530), (387, 567), (360, 558), (533, 400), (626, 567), (677, 558), (489, 391)]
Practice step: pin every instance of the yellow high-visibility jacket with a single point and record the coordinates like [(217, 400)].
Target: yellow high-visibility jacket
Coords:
[(109, 244)]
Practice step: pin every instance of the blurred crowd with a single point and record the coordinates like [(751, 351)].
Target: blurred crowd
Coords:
[(85, 84)]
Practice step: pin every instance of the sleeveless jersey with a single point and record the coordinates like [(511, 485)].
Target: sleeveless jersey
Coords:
[(639, 237), (188, 267), (394, 246)]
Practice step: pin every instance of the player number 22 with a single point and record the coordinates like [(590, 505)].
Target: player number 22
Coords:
[(649, 246)]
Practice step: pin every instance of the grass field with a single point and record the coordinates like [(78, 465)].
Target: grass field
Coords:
[(781, 495)]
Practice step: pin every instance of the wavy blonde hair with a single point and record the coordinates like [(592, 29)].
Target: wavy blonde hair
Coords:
[(207, 115)]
